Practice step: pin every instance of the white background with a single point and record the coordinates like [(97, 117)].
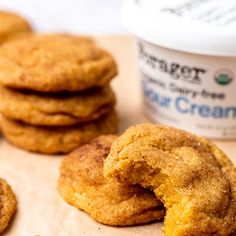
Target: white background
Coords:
[(81, 16)]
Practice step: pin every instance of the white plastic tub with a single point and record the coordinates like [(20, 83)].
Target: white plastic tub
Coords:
[(187, 58)]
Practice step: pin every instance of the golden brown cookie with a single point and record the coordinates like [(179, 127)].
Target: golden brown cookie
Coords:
[(192, 177), (55, 63), (56, 109), (82, 184), (54, 140), (7, 204), (12, 26)]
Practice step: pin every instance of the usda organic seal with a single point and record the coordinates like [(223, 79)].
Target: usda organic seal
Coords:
[(223, 77)]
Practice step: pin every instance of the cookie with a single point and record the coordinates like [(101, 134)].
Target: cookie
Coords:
[(7, 204), (56, 109), (82, 184), (194, 179), (55, 63), (12, 26), (53, 140)]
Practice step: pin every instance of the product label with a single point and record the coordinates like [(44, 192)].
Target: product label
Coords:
[(193, 92)]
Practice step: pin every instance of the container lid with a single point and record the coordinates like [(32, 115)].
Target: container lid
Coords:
[(195, 26)]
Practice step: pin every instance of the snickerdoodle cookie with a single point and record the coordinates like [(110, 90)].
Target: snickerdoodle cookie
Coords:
[(194, 179), (54, 140), (56, 109), (55, 63), (82, 184), (12, 26), (7, 204)]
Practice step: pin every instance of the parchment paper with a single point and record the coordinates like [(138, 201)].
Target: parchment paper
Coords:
[(41, 210)]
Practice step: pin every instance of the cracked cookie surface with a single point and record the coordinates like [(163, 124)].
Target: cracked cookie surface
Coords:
[(82, 184), (55, 63), (194, 179)]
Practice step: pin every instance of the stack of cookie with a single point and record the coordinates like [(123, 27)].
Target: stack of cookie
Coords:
[(55, 92)]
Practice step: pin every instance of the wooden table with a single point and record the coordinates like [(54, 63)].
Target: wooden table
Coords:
[(41, 210)]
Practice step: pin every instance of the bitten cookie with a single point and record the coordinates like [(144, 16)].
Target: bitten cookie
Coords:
[(55, 63), (52, 140), (7, 204), (194, 179), (58, 109), (12, 26), (82, 184)]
